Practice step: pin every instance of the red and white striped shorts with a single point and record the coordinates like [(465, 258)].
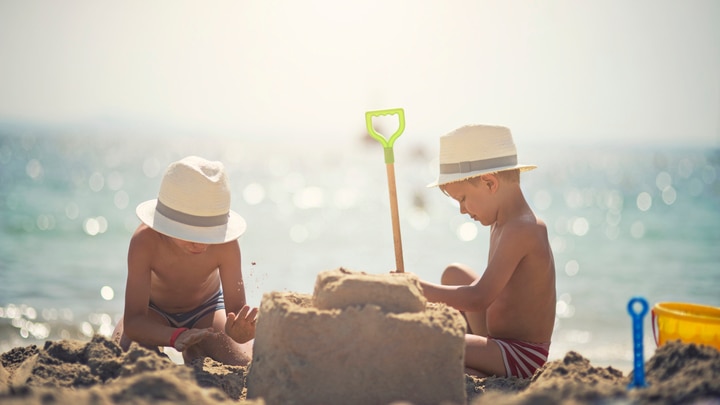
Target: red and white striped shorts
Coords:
[(522, 358)]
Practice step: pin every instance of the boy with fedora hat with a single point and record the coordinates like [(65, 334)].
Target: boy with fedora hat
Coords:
[(510, 307), (184, 284)]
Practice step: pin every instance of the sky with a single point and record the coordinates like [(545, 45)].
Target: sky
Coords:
[(614, 71)]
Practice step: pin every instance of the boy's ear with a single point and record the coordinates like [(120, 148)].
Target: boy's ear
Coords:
[(490, 181)]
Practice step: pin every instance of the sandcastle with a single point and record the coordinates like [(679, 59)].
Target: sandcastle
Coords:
[(359, 339)]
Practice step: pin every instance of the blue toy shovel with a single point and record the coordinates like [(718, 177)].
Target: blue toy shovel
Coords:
[(637, 319), (389, 163)]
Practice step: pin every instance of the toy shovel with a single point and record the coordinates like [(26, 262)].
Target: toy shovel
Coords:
[(389, 163)]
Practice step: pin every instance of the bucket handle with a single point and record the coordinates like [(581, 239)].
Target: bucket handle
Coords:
[(654, 323)]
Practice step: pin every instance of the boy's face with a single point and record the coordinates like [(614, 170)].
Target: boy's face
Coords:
[(474, 198), (191, 248)]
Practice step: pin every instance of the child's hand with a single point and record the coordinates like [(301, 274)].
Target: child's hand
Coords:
[(241, 327), (191, 337)]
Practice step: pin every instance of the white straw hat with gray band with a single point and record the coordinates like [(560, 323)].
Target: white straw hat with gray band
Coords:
[(474, 150), (193, 204)]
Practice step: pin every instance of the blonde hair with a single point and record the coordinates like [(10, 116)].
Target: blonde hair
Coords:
[(505, 176), (509, 176)]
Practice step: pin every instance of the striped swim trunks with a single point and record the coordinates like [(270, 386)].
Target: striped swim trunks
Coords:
[(188, 319), (521, 358)]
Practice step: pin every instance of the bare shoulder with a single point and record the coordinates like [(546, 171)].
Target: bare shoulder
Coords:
[(227, 254), (232, 247), (144, 241), (527, 227), (144, 234)]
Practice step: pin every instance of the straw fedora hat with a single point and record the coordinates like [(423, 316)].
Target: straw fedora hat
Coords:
[(193, 204), (474, 150)]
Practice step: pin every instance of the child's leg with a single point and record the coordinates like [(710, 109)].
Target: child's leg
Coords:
[(460, 274), (219, 346), (483, 357), (119, 337)]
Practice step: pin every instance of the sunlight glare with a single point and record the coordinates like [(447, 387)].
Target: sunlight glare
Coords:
[(107, 293), (299, 233), (34, 169), (151, 167), (96, 182), (663, 180), (467, 231), (121, 199), (572, 267), (637, 230), (309, 197), (345, 197), (254, 193), (543, 200), (669, 195), (580, 226), (644, 201)]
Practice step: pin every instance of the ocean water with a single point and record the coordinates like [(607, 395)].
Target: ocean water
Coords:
[(623, 222)]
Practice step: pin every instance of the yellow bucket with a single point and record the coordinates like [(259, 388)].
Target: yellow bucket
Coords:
[(689, 323)]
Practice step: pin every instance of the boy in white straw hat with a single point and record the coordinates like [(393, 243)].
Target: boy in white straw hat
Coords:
[(184, 283), (510, 307)]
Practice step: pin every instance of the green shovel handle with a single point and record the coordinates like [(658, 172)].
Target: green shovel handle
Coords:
[(386, 143)]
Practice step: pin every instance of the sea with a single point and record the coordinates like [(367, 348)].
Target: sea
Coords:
[(624, 221)]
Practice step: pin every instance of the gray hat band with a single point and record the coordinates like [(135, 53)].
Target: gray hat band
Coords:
[(477, 165), (192, 220)]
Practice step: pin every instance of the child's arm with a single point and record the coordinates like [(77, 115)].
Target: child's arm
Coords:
[(513, 245), (466, 298), (240, 323)]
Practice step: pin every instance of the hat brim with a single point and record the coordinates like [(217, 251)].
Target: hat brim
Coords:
[(234, 228), (455, 177)]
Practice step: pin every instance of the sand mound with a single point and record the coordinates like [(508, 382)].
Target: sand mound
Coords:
[(353, 342), (393, 293), (97, 372), (676, 374)]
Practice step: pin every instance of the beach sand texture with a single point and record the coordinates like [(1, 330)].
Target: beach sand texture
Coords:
[(298, 358)]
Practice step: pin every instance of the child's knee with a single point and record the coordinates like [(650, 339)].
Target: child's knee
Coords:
[(457, 274), (118, 336)]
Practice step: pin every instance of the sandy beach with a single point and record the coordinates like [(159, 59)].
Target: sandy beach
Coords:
[(97, 372), (359, 339)]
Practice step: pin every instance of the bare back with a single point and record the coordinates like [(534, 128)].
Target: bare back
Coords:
[(525, 308)]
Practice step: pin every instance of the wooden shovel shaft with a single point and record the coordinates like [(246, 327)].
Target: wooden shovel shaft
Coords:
[(400, 268)]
